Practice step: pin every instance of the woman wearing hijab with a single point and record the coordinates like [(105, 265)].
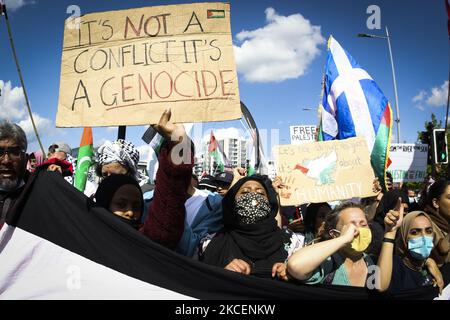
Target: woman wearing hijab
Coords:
[(412, 267), (121, 195), (438, 209), (250, 242), (118, 157), (36, 159)]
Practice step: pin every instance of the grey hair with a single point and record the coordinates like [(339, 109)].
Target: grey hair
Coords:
[(11, 131)]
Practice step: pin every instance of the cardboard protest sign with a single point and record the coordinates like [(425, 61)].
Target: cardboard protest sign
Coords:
[(303, 134), (324, 171), (409, 162), (126, 67)]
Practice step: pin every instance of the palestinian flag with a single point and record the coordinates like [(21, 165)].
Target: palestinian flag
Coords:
[(215, 14), (156, 144), (85, 159), (156, 140), (56, 244), (215, 152)]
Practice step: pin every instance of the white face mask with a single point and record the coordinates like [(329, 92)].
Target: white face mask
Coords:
[(412, 199)]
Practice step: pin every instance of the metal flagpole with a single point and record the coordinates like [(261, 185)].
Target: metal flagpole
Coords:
[(388, 38), (252, 125), (395, 85), (447, 7), (3, 7)]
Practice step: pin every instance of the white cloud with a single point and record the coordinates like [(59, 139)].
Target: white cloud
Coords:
[(436, 97), (42, 125), (13, 108), (282, 49), (12, 102), (99, 142), (420, 107), (14, 5), (422, 94)]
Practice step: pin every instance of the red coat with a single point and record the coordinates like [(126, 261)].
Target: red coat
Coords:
[(165, 222), (66, 166)]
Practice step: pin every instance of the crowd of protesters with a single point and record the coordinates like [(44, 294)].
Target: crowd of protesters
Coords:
[(235, 222)]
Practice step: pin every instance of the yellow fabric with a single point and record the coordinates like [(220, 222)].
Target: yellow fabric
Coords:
[(363, 240)]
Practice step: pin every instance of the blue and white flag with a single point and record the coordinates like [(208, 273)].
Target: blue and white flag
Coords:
[(353, 105)]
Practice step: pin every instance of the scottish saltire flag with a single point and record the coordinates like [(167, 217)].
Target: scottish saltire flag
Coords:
[(353, 105)]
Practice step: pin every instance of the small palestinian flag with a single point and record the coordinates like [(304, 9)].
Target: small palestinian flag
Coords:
[(215, 14)]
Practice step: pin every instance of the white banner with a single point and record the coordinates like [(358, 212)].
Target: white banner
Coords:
[(409, 162), (302, 134)]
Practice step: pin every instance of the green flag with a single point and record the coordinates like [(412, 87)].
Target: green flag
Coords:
[(85, 159)]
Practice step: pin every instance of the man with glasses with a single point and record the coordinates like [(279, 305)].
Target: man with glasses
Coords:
[(13, 163)]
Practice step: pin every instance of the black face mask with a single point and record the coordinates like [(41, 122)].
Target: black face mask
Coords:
[(134, 223), (252, 207)]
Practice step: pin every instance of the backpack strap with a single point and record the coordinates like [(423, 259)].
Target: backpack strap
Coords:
[(329, 278)]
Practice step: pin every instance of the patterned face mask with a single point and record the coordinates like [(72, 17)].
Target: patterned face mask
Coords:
[(252, 207)]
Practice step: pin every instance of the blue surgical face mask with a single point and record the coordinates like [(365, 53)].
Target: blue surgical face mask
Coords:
[(420, 247)]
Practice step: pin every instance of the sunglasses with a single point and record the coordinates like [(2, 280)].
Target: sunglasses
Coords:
[(14, 152)]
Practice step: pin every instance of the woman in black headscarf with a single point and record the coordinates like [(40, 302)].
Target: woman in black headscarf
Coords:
[(251, 242), (122, 195)]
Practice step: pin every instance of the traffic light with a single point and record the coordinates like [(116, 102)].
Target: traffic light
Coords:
[(440, 146)]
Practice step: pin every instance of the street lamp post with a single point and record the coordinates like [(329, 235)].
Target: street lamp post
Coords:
[(388, 38)]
